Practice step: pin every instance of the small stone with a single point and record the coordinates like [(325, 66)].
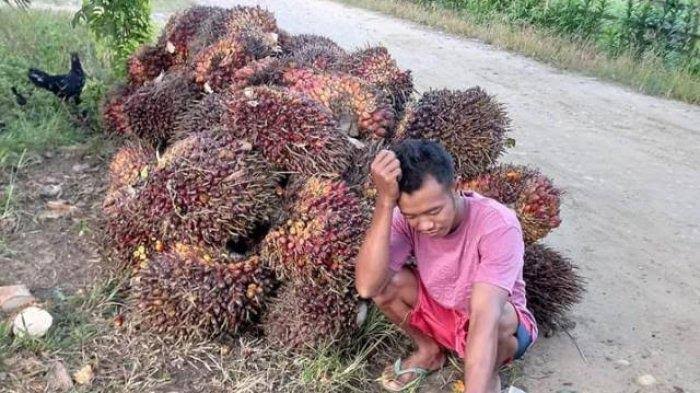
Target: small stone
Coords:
[(58, 378), (646, 380), (51, 190), (84, 375), (620, 363), (80, 167), (33, 321)]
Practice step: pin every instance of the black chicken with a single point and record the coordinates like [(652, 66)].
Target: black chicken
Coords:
[(67, 86)]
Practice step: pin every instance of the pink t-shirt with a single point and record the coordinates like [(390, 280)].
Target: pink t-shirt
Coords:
[(487, 246)]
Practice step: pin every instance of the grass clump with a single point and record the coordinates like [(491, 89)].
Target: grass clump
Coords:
[(45, 39)]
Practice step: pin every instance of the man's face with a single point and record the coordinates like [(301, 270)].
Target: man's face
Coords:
[(431, 209)]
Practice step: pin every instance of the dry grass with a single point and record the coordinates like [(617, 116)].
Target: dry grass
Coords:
[(647, 75)]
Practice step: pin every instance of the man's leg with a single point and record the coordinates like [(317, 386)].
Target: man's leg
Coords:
[(396, 301), (507, 342)]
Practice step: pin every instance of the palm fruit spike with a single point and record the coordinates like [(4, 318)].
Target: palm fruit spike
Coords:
[(310, 315), (537, 208), (322, 234), (181, 29), (552, 286), (368, 109), (204, 115), (215, 65), (358, 174), (114, 118), (147, 64), (154, 108), (470, 124), (295, 42), (191, 291), (375, 66), (533, 197), (266, 71), (209, 188), (293, 132)]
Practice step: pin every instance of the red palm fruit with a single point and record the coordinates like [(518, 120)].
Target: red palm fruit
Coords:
[(352, 100), (375, 66), (196, 292), (553, 286), (114, 118), (322, 234), (293, 132), (215, 65), (503, 183), (130, 165), (204, 115), (358, 174), (294, 43), (537, 208), (182, 28), (147, 64), (470, 124)]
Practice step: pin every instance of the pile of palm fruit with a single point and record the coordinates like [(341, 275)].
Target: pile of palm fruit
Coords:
[(241, 194)]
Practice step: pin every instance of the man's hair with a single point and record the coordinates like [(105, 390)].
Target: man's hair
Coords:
[(419, 158)]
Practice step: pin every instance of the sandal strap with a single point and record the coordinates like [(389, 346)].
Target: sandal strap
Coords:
[(419, 371)]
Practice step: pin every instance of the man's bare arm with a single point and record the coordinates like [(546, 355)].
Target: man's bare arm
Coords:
[(486, 306), (372, 268)]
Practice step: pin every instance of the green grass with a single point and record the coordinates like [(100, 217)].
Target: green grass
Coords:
[(45, 39), (647, 74)]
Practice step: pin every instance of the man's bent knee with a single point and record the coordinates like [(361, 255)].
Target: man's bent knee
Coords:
[(402, 285)]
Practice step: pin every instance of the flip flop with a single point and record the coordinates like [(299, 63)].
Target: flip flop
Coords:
[(419, 372)]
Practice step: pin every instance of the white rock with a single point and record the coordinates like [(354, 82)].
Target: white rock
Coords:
[(646, 380), (622, 363), (33, 321)]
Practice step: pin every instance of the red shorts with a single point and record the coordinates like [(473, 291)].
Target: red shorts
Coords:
[(449, 327)]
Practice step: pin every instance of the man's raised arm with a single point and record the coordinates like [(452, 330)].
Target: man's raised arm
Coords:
[(372, 268)]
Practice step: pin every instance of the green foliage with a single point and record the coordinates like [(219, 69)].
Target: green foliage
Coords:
[(122, 25), (45, 39), (665, 28)]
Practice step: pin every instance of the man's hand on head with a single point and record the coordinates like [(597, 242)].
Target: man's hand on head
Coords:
[(386, 171)]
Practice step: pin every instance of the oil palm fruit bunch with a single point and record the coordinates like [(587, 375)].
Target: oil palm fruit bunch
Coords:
[(203, 115), (231, 24), (350, 98), (321, 236), (537, 208), (319, 55), (310, 315), (114, 117), (153, 109), (192, 291), (470, 124), (215, 65), (293, 132), (375, 65), (553, 286), (294, 43), (532, 195), (182, 29), (130, 165), (147, 64), (208, 188)]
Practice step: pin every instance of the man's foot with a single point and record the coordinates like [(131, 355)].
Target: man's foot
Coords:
[(413, 368)]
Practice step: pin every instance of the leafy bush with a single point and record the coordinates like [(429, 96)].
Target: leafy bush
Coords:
[(122, 25)]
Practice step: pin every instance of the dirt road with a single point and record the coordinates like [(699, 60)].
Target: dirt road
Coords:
[(631, 167)]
